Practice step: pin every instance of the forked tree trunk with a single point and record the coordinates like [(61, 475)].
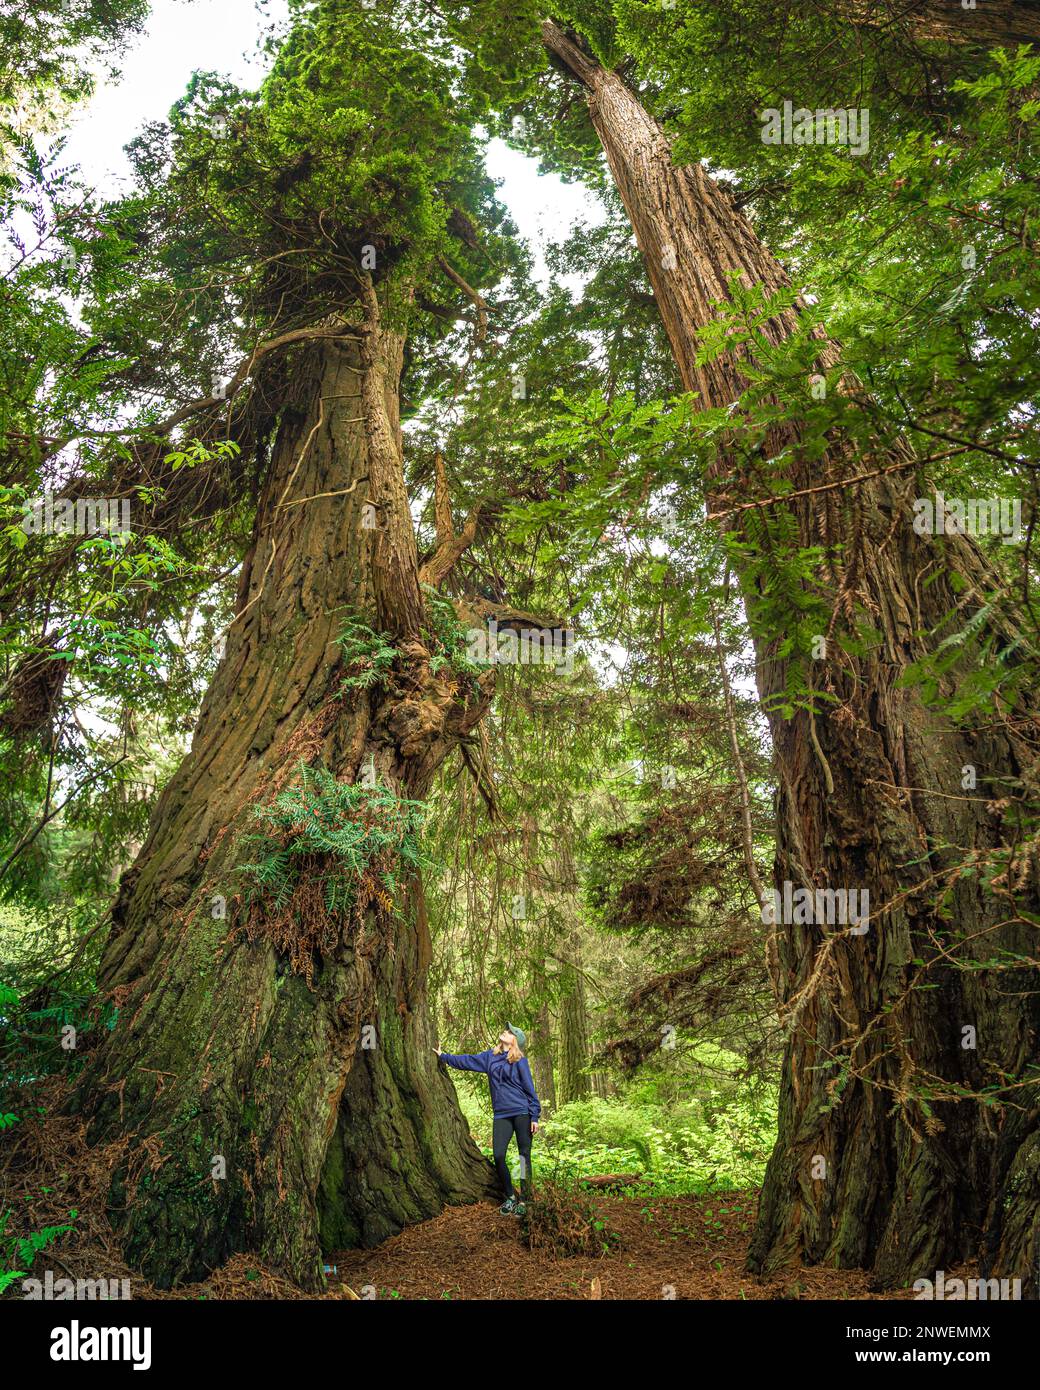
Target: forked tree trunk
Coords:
[(867, 1171), (320, 1098)]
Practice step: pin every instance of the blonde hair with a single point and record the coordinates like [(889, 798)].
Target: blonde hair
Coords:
[(513, 1053)]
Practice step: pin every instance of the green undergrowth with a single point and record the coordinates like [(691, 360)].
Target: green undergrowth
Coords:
[(707, 1144)]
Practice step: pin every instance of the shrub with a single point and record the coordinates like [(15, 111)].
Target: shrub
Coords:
[(367, 655), (561, 1221)]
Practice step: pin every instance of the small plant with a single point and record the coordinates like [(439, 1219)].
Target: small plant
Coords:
[(448, 639), (22, 1250), (563, 1222), (32, 1039), (367, 655), (327, 850)]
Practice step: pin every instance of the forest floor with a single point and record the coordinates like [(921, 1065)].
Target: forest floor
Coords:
[(683, 1247), (686, 1247)]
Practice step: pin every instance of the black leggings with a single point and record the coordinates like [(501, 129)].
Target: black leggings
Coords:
[(501, 1133)]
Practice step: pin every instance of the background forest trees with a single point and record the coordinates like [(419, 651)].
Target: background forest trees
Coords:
[(309, 349)]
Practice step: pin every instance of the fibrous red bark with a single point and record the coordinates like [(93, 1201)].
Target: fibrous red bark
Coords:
[(887, 1158)]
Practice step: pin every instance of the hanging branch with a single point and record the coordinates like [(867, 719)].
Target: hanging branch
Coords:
[(30, 835), (241, 373), (480, 773)]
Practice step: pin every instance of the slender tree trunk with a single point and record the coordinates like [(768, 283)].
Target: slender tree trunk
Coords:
[(878, 1163), (541, 1053), (273, 1096), (574, 1033), (747, 829), (574, 1081)]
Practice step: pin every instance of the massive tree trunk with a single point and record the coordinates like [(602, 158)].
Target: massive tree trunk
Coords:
[(884, 1160), (273, 1074)]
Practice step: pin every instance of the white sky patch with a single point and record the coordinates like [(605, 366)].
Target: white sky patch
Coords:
[(224, 36), (544, 208), (220, 36)]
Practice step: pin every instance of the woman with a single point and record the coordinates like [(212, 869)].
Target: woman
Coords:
[(515, 1105)]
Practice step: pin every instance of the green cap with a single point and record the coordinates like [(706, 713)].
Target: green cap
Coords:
[(517, 1033)]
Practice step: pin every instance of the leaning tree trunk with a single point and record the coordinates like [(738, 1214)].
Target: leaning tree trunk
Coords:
[(884, 1157), (273, 1079)]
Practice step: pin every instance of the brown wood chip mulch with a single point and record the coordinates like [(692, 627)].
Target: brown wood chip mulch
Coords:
[(672, 1247)]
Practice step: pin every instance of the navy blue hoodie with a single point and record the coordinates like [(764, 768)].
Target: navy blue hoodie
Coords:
[(512, 1090)]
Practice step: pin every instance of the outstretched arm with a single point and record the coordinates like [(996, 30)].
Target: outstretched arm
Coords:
[(466, 1061)]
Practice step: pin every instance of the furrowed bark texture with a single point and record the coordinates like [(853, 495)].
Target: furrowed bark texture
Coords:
[(869, 797), (320, 1097), (992, 23)]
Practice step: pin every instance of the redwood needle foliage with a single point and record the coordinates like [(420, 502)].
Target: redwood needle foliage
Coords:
[(345, 835)]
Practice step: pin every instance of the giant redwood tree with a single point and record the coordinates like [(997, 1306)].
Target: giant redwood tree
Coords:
[(269, 1082), (908, 1129), (287, 1040)]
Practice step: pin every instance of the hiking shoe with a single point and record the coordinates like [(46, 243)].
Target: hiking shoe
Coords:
[(519, 1208), (508, 1207)]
